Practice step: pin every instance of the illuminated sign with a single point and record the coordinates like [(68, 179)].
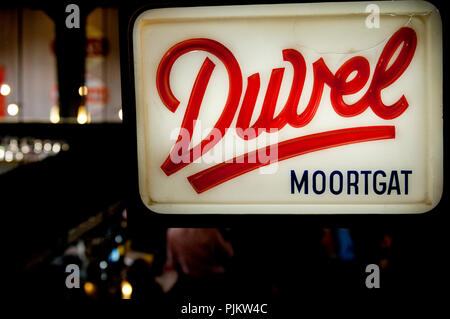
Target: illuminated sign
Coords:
[(299, 108)]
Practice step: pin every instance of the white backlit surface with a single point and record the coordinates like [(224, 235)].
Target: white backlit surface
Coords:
[(257, 35)]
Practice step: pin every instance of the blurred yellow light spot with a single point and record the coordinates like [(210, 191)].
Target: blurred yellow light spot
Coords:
[(121, 249), (5, 89), (54, 114), (65, 147), (89, 288), (120, 114), (13, 109), (83, 90), (82, 116), (148, 258), (126, 290)]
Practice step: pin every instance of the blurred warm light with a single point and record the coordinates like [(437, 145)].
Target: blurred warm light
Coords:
[(89, 288), (54, 114), (37, 146), (5, 89), (13, 145), (19, 156), (13, 109), (56, 147), (9, 156), (120, 114), (25, 149), (47, 147), (83, 90), (82, 116), (126, 290), (128, 261), (65, 147), (148, 258), (2, 153)]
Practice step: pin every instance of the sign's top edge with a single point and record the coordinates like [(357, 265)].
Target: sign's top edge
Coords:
[(410, 8)]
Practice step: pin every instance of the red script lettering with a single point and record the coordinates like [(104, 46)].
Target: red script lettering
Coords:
[(404, 41)]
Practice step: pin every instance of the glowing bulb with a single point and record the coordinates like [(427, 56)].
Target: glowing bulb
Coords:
[(25, 149), (37, 146), (19, 156), (13, 145), (47, 147), (54, 114), (120, 115), (13, 109), (9, 156), (82, 117), (83, 90), (56, 147), (126, 290), (5, 89)]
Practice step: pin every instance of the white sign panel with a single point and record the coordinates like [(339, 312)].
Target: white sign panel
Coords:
[(299, 108)]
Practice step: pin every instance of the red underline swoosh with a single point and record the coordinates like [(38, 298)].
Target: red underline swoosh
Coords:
[(218, 174)]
